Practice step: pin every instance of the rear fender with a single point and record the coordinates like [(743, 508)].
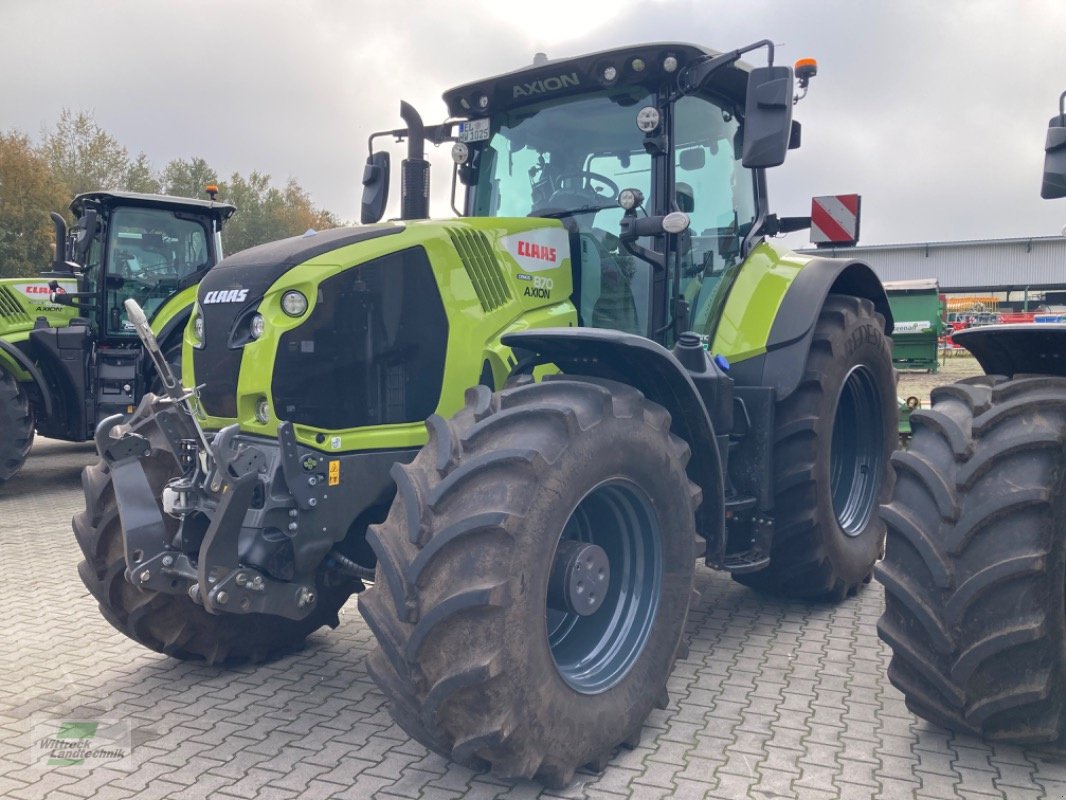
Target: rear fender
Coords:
[(653, 370), (1017, 349)]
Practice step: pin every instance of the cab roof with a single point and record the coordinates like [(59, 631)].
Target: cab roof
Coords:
[(221, 211), (552, 78)]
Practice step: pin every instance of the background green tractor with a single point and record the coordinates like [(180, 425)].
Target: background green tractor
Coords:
[(532, 563), (975, 566), (68, 355)]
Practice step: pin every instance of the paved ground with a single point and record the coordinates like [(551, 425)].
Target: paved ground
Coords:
[(777, 699), (954, 366)]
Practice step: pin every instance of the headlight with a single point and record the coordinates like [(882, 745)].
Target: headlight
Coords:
[(293, 303), (262, 410), (198, 327), (257, 326)]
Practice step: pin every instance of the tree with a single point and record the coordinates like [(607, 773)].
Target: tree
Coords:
[(140, 177), (183, 178), (28, 191), (266, 213), (83, 155)]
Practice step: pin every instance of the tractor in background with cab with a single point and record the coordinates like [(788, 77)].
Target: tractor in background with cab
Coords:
[(69, 357), (514, 428)]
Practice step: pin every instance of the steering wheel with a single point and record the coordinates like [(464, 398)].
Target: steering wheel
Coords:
[(158, 265), (586, 189)]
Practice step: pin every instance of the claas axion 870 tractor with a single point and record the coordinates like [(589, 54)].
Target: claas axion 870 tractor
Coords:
[(616, 362), (69, 357)]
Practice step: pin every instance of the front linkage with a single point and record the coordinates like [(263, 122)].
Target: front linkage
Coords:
[(239, 505)]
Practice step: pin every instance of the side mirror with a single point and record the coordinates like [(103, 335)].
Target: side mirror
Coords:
[(375, 187), (85, 235), (1054, 183), (767, 117)]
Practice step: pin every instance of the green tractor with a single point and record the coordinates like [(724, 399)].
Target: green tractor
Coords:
[(69, 357), (620, 371), (975, 565)]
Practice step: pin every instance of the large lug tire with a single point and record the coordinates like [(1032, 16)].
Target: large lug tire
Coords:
[(172, 623), (833, 438), (975, 564), (16, 426), (474, 661)]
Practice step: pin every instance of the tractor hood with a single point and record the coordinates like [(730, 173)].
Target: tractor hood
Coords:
[(230, 293), (374, 309), (23, 300)]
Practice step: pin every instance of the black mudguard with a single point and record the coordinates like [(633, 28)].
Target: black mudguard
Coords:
[(653, 370), (35, 374), (781, 366), (1011, 350)]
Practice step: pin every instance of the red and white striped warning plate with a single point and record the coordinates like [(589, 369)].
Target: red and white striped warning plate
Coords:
[(835, 219)]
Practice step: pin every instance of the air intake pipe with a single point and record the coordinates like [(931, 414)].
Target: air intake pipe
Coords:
[(414, 171)]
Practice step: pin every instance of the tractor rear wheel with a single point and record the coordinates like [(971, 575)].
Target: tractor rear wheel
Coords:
[(16, 426), (172, 623), (975, 564), (534, 576), (833, 438)]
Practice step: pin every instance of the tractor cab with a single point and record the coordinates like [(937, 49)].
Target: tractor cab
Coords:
[(623, 146), (148, 247), (69, 355)]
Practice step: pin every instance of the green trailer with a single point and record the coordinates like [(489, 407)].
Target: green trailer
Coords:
[(916, 308)]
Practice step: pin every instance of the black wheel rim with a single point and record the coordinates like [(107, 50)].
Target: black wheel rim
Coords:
[(593, 653), (856, 458)]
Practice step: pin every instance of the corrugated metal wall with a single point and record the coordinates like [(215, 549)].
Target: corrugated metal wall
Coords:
[(988, 265)]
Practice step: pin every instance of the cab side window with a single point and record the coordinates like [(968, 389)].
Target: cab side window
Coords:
[(717, 193)]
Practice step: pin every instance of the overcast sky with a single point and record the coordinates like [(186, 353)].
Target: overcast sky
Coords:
[(934, 111)]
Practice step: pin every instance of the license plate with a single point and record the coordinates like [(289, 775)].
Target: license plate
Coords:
[(475, 130)]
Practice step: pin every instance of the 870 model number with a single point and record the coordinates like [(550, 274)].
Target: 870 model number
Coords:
[(541, 286)]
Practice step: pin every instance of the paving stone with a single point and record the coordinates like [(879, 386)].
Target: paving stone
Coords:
[(778, 699)]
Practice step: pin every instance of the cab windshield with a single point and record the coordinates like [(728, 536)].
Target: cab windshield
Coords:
[(570, 160), (150, 253)]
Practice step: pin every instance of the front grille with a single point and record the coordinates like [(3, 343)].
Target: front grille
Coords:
[(10, 308), (217, 364), (481, 265), (372, 350)]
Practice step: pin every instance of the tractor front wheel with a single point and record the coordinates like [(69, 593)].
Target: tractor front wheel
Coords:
[(534, 576), (172, 623), (832, 441), (16, 426)]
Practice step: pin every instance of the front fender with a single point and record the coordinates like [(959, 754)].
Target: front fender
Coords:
[(1011, 350), (653, 370), (11, 355)]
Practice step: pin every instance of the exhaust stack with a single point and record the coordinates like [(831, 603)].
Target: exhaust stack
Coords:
[(414, 170)]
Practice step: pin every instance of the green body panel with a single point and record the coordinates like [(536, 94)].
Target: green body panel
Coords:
[(740, 325), (473, 333), (22, 301), (174, 306)]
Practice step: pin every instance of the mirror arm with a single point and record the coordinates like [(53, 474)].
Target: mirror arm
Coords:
[(692, 78)]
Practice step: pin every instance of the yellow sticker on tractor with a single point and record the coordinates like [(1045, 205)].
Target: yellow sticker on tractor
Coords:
[(334, 473)]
